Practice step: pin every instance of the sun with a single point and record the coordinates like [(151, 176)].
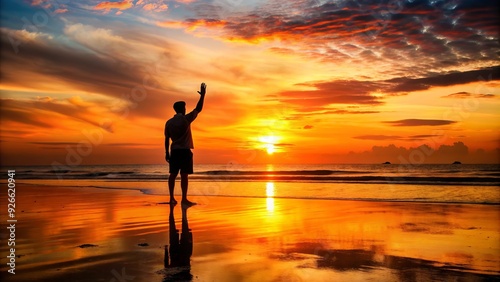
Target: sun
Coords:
[(270, 149), (269, 143)]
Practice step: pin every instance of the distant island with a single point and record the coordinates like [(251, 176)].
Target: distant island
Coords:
[(456, 162), (387, 163)]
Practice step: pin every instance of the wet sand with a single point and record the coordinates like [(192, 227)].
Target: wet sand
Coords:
[(86, 234)]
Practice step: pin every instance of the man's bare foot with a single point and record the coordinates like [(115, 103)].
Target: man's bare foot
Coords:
[(173, 201), (187, 203)]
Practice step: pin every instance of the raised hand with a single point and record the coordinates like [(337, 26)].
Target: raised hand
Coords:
[(203, 89)]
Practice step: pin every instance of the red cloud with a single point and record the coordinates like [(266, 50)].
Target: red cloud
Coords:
[(193, 24), (60, 11), (107, 6), (334, 92)]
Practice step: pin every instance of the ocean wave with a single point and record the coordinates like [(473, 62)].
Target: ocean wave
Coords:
[(286, 176), (397, 174)]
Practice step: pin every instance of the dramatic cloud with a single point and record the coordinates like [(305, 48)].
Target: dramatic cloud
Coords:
[(326, 76), (132, 81), (22, 116), (447, 34), (374, 92), (41, 57), (420, 122)]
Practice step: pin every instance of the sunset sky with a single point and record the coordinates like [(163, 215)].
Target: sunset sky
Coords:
[(93, 82)]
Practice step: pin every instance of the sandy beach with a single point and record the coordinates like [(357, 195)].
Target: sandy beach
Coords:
[(87, 234)]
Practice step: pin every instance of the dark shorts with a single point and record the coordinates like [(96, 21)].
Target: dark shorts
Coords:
[(181, 159)]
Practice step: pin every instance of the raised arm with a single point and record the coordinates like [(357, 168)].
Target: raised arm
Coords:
[(202, 91)]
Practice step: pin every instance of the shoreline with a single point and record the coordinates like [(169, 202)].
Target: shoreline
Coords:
[(480, 182), (263, 239), (217, 189)]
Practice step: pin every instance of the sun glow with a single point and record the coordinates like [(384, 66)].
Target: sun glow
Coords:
[(269, 143)]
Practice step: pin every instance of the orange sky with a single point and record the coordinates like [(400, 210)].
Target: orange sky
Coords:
[(294, 82)]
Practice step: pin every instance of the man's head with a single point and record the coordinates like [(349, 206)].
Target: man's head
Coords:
[(180, 107)]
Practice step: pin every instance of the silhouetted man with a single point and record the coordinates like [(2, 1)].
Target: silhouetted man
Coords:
[(180, 158)]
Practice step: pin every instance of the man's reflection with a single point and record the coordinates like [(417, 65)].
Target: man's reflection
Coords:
[(181, 247)]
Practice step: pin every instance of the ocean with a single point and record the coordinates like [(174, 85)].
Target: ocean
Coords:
[(440, 183)]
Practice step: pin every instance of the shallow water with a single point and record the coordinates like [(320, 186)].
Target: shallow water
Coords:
[(302, 190), (251, 239)]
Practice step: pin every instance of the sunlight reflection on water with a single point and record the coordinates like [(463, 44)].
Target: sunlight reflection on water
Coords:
[(270, 196)]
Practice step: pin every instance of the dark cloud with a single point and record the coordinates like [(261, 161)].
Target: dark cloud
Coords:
[(377, 137), (308, 126), (54, 145), (395, 137), (342, 112), (127, 145), (485, 96), (283, 145), (57, 144), (420, 122), (462, 95), (458, 95), (424, 136), (406, 84)]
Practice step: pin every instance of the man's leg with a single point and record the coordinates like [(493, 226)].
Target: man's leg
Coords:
[(184, 187), (171, 186)]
